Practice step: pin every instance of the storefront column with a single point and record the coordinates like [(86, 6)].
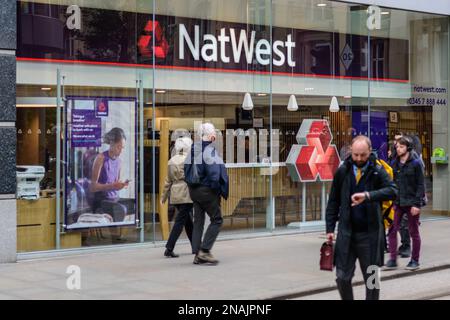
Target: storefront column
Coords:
[(441, 172), (163, 170), (8, 215)]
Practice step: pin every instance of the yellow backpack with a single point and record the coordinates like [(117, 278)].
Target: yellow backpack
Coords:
[(387, 206)]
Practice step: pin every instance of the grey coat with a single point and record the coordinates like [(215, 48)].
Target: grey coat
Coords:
[(380, 188), (174, 185)]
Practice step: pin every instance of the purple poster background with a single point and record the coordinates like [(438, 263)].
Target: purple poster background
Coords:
[(86, 129), (378, 133)]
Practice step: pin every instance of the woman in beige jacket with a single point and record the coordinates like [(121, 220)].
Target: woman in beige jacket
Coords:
[(176, 189)]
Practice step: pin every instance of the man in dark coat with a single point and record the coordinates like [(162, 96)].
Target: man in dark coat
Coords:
[(207, 179), (408, 175), (359, 186), (404, 250)]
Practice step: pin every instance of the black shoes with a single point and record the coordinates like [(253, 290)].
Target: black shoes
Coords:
[(170, 254)]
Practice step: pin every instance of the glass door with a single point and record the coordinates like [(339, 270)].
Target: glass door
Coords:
[(80, 104)]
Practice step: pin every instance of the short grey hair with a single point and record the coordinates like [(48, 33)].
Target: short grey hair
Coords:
[(206, 130)]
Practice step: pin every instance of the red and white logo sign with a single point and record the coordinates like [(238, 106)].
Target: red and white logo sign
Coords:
[(145, 44), (314, 156)]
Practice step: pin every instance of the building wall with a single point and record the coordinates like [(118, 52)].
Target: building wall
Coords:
[(431, 6), (8, 131)]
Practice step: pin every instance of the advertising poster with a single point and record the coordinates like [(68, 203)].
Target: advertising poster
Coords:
[(100, 157)]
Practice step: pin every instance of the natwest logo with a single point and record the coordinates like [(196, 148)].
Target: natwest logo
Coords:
[(314, 156), (214, 48), (145, 42)]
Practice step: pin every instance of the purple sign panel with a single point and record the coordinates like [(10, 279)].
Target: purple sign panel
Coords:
[(86, 129), (378, 130)]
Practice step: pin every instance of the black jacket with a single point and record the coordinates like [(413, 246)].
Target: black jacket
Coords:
[(380, 188), (410, 182), (210, 167)]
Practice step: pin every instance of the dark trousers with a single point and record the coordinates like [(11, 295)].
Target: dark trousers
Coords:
[(183, 219), (405, 238), (359, 249), (413, 224), (205, 200)]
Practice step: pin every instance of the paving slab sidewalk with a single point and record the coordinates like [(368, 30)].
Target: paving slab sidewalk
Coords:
[(255, 268)]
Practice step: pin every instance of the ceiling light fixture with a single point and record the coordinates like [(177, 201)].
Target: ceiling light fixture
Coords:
[(247, 104), (292, 104), (334, 105)]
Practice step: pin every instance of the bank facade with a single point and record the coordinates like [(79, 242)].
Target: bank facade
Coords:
[(287, 84)]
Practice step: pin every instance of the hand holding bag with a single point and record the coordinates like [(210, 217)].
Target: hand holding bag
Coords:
[(326, 256)]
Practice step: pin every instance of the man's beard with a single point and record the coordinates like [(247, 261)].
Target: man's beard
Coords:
[(399, 155), (360, 164)]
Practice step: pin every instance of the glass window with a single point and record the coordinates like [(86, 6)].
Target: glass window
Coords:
[(85, 56), (218, 58), (329, 84), (416, 55), (286, 84)]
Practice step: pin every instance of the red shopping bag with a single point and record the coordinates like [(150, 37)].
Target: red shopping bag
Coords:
[(326, 256)]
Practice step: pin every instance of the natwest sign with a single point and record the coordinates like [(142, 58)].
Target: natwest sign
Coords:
[(215, 47), (207, 45)]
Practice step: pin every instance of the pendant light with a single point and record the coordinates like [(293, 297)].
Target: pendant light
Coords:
[(292, 104), (334, 105), (247, 104)]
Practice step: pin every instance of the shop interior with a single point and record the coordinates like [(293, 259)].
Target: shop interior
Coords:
[(247, 207)]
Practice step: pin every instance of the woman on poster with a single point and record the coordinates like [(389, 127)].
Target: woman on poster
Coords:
[(105, 182)]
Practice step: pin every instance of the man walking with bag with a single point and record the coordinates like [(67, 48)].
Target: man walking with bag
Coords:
[(359, 186), (207, 179)]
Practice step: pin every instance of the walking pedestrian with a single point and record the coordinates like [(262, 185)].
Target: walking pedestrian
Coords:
[(176, 187), (359, 186), (207, 179), (409, 177)]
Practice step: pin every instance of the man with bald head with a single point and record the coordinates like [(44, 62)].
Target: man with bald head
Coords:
[(359, 186)]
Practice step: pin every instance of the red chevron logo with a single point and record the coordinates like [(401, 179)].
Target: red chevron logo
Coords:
[(145, 44), (314, 156)]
